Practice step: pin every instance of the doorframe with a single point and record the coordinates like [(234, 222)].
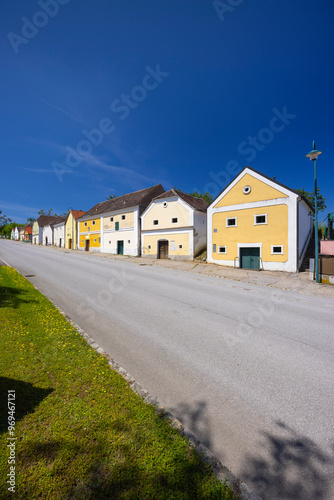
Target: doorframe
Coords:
[(250, 245), (120, 241), (158, 247), (87, 240)]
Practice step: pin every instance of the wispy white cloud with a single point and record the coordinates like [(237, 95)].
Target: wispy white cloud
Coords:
[(58, 108), (7, 205)]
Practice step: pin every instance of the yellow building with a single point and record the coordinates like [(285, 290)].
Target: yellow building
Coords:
[(258, 223), (113, 226), (174, 226), (71, 234)]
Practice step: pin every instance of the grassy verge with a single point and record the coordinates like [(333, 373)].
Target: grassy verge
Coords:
[(81, 431)]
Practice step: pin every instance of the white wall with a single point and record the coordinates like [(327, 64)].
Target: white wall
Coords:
[(200, 222), (305, 227), (110, 238), (47, 233), (59, 235)]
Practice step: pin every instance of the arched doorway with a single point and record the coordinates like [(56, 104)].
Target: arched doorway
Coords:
[(162, 249)]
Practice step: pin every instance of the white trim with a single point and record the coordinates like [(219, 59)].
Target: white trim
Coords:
[(151, 232), (277, 253), (253, 204), (233, 225), (260, 223), (137, 230), (273, 184), (101, 235)]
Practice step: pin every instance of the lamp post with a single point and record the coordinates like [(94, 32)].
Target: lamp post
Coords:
[(313, 156)]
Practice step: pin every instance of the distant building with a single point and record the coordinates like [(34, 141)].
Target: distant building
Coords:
[(174, 226)]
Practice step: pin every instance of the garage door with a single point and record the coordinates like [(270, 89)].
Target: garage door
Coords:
[(250, 258)]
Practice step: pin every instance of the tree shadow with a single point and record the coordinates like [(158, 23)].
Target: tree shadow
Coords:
[(121, 474), (27, 397), (12, 297), (194, 417), (289, 466)]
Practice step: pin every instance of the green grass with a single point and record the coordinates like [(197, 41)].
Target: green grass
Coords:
[(82, 433)]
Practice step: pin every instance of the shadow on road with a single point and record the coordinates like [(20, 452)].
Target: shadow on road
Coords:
[(194, 417), (289, 466)]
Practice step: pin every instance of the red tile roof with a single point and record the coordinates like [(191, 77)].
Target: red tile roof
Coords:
[(77, 213)]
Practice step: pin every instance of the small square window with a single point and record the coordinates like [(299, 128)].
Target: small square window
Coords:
[(111, 219), (155, 222), (214, 248), (94, 239), (93, 222), (260, 219), (109, 242), (215, 230), (129, 241), (85, 223), (81, 241), (99, 240), (276, 249), (123, 217), (174, 220), (231, 221), (149, 247), (180, 246), (222, 250)]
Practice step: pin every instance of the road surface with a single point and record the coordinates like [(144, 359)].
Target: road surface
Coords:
[(248, 369)]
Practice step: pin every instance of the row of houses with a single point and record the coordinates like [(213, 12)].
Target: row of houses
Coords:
[(254, 223)]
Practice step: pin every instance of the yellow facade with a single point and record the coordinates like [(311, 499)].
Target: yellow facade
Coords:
[(260, 191), (178, 238), (125, 220), (71, 232), (164, 216), (90, 225), (94, 240), (246, 231)]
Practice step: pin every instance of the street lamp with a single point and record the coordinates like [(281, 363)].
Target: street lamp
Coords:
[(313, 156)]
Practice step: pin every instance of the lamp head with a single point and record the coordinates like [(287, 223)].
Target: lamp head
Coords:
[(313, 155)]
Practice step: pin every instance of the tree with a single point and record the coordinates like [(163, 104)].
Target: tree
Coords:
[(30, 220), (50, 212), (111, 197), (310, 197), (205, 196)]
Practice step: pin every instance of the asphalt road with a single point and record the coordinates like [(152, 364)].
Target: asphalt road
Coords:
[(248, 369)]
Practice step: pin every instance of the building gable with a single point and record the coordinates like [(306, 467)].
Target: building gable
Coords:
[(249, 187)]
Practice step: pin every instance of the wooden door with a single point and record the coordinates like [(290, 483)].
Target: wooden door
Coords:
[(163, 249), (87, 246)]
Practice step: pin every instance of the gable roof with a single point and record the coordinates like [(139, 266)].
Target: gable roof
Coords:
[(196, 203), (28, 229), (77, 213), (45, 220), (61, 220), (141, 198), (274, 181)]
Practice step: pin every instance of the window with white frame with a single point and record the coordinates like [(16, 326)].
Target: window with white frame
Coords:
[(277, 250), (111, 219), (149, 247), (172, 245), (174, 220), (222, 249), (155, 222), (93, 222), (260, 219), (123, 217), (180, 246), (85, 223), (231, 221)]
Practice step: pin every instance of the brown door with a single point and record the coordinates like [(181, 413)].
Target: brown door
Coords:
[(70, 243), (87, 246), (163, 249)]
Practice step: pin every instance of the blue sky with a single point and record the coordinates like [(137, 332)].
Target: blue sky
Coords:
[(182, 93)]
